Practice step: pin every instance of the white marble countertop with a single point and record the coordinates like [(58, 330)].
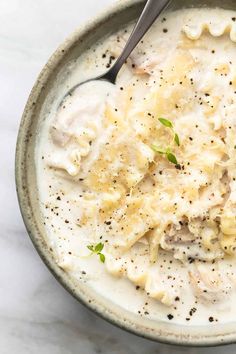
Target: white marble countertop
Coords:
[(36, 313)]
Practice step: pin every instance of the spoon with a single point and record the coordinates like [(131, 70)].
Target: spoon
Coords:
[(151, 11)]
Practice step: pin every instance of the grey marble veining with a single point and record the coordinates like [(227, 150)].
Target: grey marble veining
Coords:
[(36, 313)]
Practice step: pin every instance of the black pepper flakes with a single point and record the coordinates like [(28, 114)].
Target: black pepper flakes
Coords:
[(178, 166), (170, 317)]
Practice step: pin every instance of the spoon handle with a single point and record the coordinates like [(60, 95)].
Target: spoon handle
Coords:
[(151, 11)]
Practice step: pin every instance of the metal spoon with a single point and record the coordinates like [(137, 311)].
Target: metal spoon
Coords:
[(151, 11)]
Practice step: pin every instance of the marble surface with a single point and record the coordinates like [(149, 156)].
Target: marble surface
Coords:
[(36, 313)]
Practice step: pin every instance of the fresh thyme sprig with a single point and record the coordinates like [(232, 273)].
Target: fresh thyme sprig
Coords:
[(169, 155), (167, 152), (176, 139), (97, 249), (168, 124)]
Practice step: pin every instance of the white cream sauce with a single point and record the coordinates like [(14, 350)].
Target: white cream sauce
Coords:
[(61, 186)]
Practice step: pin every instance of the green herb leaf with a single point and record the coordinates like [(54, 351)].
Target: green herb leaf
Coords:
[(168, 150), (167, 123), (97, 250), (157, 149), (91, 248), (99, 247), (102, 257), (177, 141), (171, 157)]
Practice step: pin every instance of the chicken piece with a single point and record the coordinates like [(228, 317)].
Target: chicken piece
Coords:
[(72, 120), (72, 131), (144, 65), (209, 283), (161, 287), (193, 242)]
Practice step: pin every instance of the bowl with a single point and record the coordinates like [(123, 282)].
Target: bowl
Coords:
[(109, 21)]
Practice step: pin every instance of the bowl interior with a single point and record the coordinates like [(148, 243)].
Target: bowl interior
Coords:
[(41, 96)]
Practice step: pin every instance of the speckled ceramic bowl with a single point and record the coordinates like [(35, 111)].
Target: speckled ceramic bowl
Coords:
[(110, 21)]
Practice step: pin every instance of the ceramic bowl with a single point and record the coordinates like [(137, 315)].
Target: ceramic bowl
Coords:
[(110, 21)]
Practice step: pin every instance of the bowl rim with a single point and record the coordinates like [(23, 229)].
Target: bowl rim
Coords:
[(167, 337)]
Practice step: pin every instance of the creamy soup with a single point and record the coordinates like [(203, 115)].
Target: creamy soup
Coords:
[(137, 180)]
